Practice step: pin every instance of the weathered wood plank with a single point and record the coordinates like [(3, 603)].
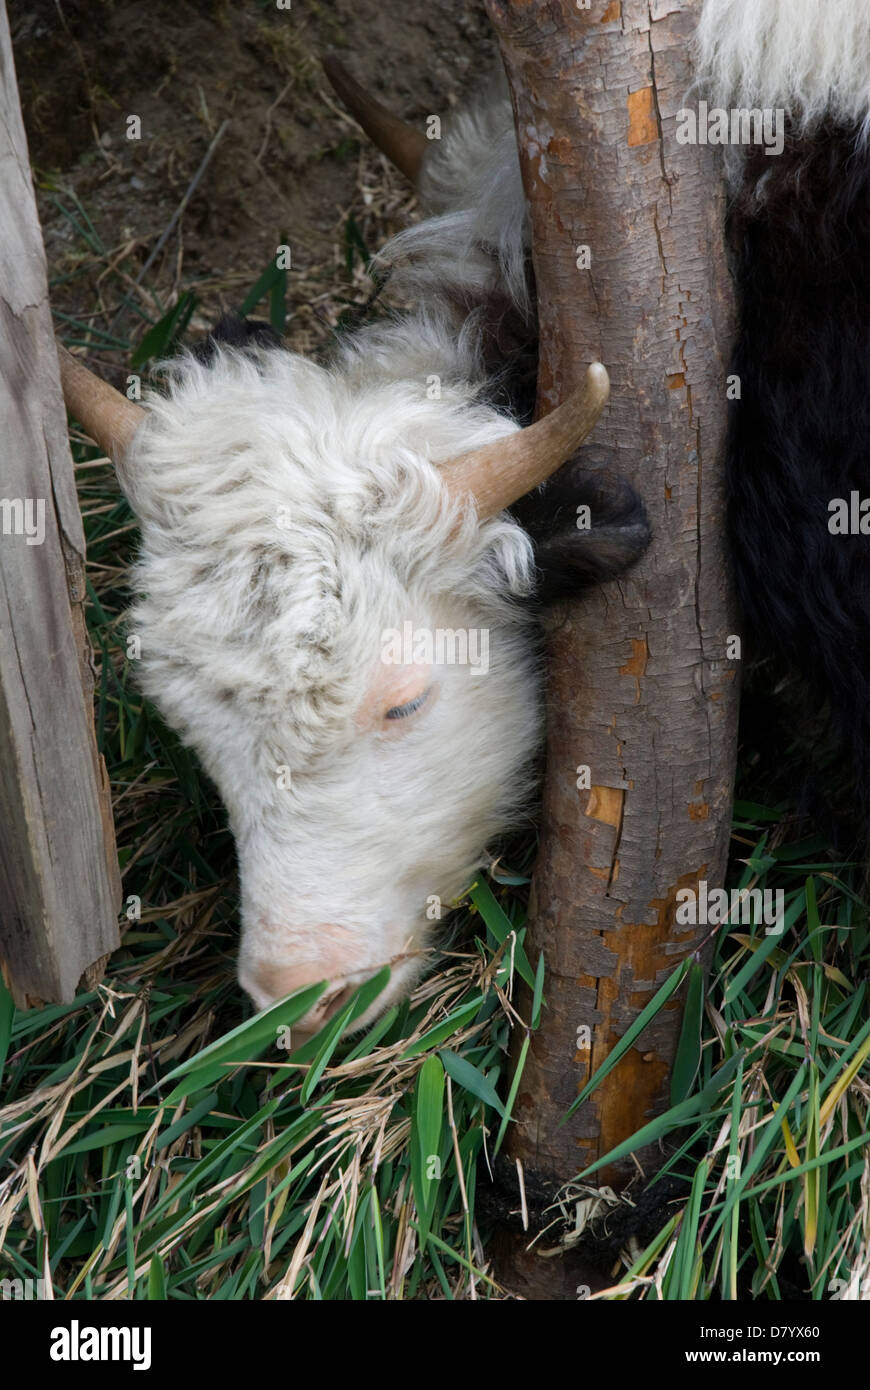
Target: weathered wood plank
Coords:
[(59, 885)]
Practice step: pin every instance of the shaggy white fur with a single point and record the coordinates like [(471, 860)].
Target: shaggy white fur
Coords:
[(809, 57), (291, 514)]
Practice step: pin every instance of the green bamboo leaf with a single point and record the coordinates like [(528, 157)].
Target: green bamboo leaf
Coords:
[(273, 1154), (538, 995), (436, 1244), (512, 1093), (848, 1067), (270, 277), (187, 1121), (766, 944), (681, 1272), (370, 1039), (354, 244), (243, 1044), (812, 1179), (644, 1018), (278, 303), (760, 864), (788, 1174), (442, 1031), (753, 811), (356, 1258), (672, 1119), (356, 1006), (102, 1138), (814, 924), (426, 1124), (233, 1144), (769, 1134), (156, 1280), (380, 1251), (160, 338), (466, 1075), (257, 1213), (651, 1253), (762, 1250), (112, 1207), (688, 1055), (501, 926)]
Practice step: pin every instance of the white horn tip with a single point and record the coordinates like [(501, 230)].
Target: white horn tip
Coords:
[(598, 379)]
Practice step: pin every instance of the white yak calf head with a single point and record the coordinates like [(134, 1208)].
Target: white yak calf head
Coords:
[(328, 608), (330, 587)]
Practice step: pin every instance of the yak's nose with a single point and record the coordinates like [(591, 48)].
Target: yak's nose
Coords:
[(329, 952), (342, 956), (266, 984)]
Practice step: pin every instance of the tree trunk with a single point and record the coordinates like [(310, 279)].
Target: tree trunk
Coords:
[(642, 691), (59, 886)]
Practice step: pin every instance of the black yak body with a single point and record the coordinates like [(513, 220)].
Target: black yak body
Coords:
[(799, 442), (800, 433)]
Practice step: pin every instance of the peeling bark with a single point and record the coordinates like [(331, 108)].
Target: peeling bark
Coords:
[(641, 689)]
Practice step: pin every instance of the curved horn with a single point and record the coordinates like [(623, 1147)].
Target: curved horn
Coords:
[(107, 416), (498, 474), (402, 144)]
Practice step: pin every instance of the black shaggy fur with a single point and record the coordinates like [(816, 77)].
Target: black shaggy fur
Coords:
[(571, 557), (231, 330), (800, 435)]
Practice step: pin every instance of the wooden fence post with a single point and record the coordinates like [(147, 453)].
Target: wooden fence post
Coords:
[(59, 886), (631, 269)]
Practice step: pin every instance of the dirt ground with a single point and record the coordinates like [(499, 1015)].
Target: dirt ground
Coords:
[(290, 167)]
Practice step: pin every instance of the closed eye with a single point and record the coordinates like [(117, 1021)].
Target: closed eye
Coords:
[(404, 711)]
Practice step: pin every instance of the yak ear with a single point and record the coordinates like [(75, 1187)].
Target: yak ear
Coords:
[(586, 526), (232, 330)]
